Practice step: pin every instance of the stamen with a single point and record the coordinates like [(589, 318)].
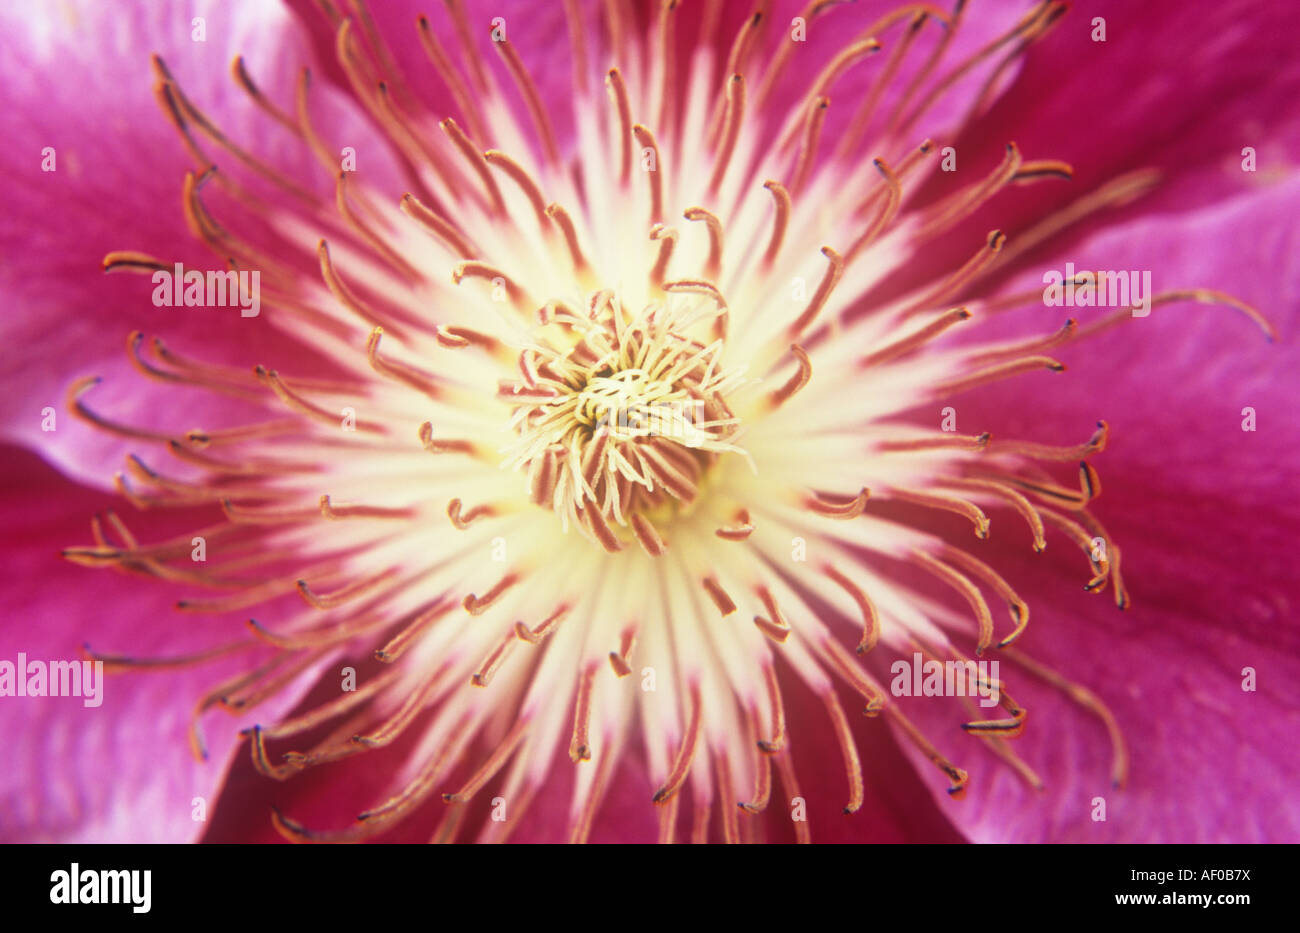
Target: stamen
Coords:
[(762, 794), (271, 378), (742, 529), (996, 374), (457, 338), (668, 66), (969, 270), (808, 148), (780, 221), (415, 378), (735, 111), (490, 767), (1122, 600), (843, 662), (719, 596), (492, 663), (587, 816), (579, 749), (834, 269), (618, 95), (618, 660), (1090, 702), (647, 536), (477, 605), (967, 589), (476, 161), (667, 238), (78, 408), (775, 628), (1018, 607), (319, 148), (338, 513), (117, 663), (702, 816), (646, 140), (398, 264), (538, 635), (786, 48), (845, 511), (730, 815), (409, 797), (1201, 295), (1100, 561), (577, 44), (682, 764), (1034, 345), (1116, 193), (562, 219), (925, 334), (248, 696), (938, 442), (438, 446), (1094, 445), (893, 189), (339, 289), (441, 229), (668, 820), (785, 768), (532, 99), (862, 119), (852, 764), (777, 742), (346, 593), (736, 57), (1008, 728), (932, 500), (463, 520), (712, 265), (240, 73), (519, 175), (1043, 168), (596, 523), (450, 76), (870, 618), (964, 203), (474, 269), (132, 261), (777, 632), (956, 776), (796, 381), (1012, 498), (214, 133)]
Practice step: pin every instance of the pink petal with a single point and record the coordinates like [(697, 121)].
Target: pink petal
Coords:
[(117, 186), (60, 755), (1204, 513)]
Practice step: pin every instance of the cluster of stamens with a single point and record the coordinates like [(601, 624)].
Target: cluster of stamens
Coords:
[(619, 414)]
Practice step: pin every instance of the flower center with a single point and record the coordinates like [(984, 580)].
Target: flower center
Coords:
[(619, 414)]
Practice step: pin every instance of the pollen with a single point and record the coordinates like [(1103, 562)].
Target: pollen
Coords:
[(621, 414)]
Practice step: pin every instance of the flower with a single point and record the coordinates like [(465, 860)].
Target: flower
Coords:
[(566, 375)]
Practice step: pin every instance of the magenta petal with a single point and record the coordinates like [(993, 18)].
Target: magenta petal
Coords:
[(116, 185), (121, 771), (1205, 515)]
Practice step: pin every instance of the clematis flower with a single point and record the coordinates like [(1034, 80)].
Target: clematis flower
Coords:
[(602, 401)]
